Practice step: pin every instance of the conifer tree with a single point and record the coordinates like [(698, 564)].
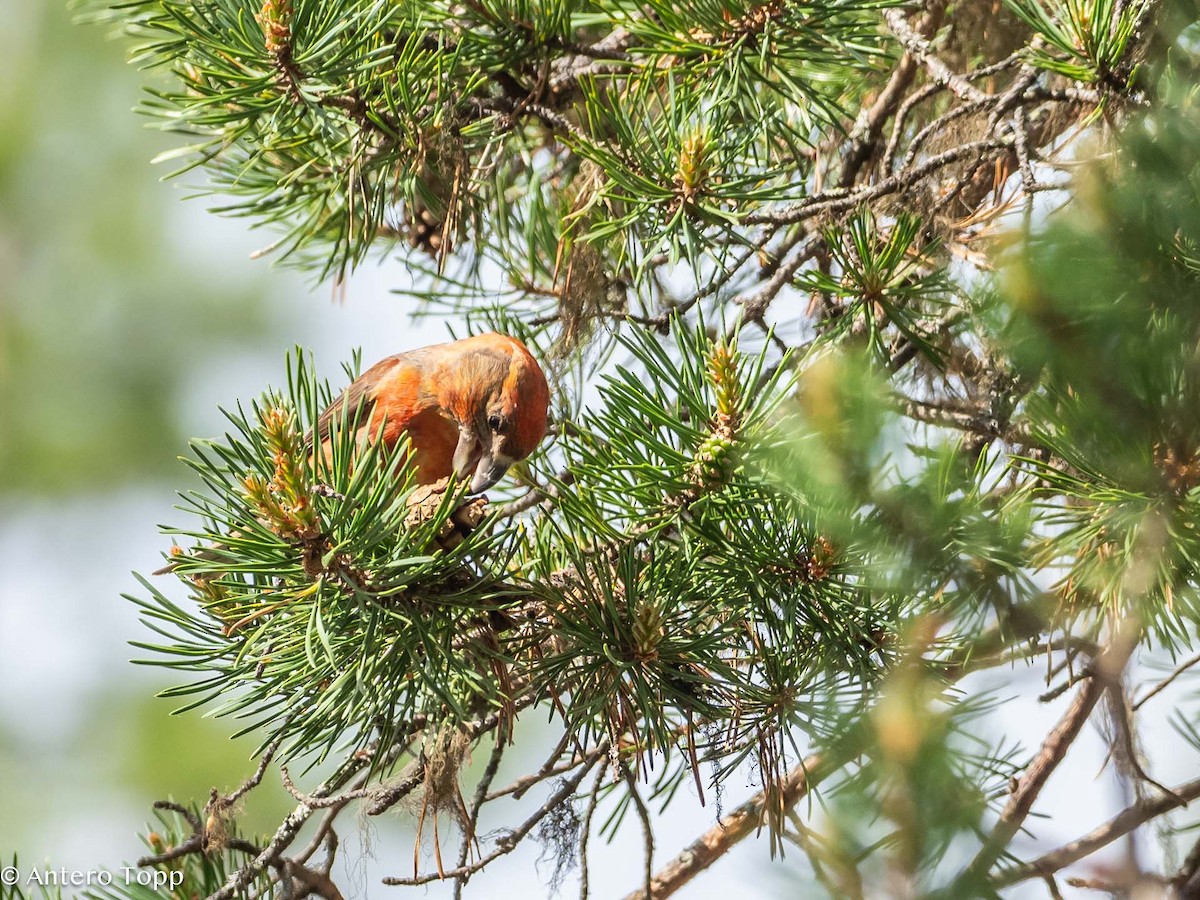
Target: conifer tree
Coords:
[(873, 333)]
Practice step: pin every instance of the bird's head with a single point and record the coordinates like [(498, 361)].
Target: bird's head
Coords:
[(498, 395)]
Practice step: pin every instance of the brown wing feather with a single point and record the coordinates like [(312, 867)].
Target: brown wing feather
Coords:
[(358, 400)]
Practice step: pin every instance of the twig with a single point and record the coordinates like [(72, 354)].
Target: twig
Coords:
[(518, 787), (647, 828), (1107, 666), (390, 796), (314, 802), (663, 320), (190, 817), (290, 827), (1024, 162), (481, 793), (313, 881), (920, 47), (893, 144), (256, 779), (1119, 825), (585, 832), (939, 124), (1124, 749), (729, 831), (754, 306), (325, 828), (1121, 885), (509, 841), (1162, 685), (197, 841), (838, 199), (870, 126), (596, 58), (1025, 79), (1065, 685), (533, 497)]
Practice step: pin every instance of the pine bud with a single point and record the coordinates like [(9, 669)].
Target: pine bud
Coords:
[(716, 457), (647, 631), (694, 167), (722, 372), (276, 21), (284, 502)]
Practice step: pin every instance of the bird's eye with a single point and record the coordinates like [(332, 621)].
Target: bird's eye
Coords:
[(495, 423)]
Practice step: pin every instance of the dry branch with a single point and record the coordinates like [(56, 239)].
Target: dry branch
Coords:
[(730, 830)]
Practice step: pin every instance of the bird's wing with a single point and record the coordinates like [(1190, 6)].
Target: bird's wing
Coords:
[(357, 400)]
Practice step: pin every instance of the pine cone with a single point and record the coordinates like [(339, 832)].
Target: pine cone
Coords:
[(424, 503)]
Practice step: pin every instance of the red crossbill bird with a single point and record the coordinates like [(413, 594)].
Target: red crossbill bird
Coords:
[(470, 408)]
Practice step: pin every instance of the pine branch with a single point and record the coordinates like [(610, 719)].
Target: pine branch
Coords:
[(1118, 826), (732, 829), (1107, 667)]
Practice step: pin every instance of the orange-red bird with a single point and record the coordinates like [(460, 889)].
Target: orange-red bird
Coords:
[(470, 408)]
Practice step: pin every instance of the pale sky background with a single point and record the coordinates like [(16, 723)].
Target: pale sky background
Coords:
[(66, 795)]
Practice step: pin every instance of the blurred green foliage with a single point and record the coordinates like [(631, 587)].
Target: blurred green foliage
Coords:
[(102, 308), (142, 757), (109, 300), (124, 746)]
